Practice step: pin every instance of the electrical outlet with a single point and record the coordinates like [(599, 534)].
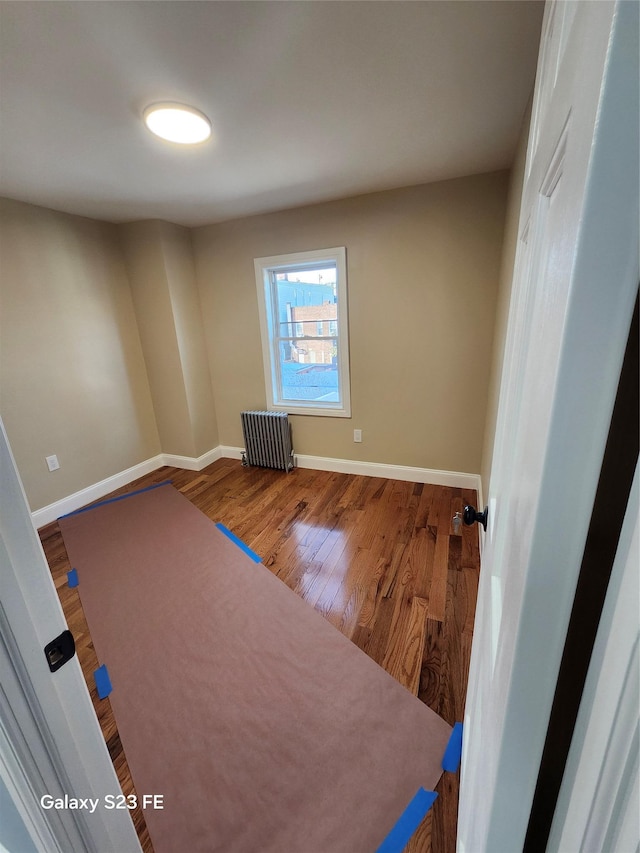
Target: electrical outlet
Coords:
[(357, 435), (52, 462)]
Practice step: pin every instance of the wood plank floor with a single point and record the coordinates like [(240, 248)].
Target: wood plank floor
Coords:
[(378, 558)]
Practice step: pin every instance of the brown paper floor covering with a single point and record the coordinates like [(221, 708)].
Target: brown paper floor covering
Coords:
[(263, 727)]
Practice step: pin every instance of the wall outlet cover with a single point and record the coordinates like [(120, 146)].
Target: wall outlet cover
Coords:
[(52, 462)]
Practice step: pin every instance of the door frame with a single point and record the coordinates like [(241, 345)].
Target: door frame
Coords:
[(614, 501), (597, 804), (50, 738)]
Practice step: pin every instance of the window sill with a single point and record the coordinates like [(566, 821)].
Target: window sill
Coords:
[(310, 410)]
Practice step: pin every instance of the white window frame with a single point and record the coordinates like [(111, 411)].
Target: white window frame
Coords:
[(264, 267)]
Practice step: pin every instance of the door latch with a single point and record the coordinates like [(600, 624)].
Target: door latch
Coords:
[(60, 650)]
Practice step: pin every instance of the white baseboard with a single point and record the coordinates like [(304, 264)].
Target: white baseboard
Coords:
[(318, 463), (390, 472), (376, 469), (228, 452), (190, 462), (93, 493), (117, 481)]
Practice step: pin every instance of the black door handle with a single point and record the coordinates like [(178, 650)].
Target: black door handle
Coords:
[(471, 515)]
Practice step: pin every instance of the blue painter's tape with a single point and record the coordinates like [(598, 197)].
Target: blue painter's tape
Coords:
[(408, 822), (113, 500), (239, 543), (103, 682), (453, 752), (72, 578)]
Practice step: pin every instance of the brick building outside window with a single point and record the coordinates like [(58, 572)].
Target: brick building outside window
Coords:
[(312, 321)]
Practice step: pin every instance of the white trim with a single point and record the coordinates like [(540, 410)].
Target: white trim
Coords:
[(191, 463), (48, 723), (268, 321), (229, 452), (94, 492), (20, 790), (597, 795), (98, 490), (390, 472), (407, 473)]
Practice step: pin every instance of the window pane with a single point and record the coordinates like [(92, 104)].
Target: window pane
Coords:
[(309, 370), (304, 299), (306, 304)]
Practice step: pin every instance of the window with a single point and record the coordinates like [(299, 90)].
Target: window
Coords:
[(302, 299)]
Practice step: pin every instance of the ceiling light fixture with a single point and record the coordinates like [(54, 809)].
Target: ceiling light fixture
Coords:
[(177, 123)]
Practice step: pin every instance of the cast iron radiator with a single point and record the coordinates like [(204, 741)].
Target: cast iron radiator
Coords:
[(267, 439)]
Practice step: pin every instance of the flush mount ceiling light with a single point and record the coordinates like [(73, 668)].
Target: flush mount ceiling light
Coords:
[(177, 123)]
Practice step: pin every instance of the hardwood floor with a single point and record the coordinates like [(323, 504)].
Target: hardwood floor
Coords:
[(378, 558)]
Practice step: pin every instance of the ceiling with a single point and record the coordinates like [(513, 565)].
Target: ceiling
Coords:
[(309, 101)]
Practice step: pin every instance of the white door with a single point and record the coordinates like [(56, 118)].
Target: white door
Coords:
[(575, 281), (50, 740)]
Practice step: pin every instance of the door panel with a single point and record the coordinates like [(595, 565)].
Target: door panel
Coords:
[(573, 294)]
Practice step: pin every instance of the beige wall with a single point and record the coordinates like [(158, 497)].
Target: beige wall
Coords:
[(504, 296), (160, 266), (72, 375), (423, 268), (181, 278)]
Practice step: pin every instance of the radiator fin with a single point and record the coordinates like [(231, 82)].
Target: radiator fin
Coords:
[(267, 439)]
